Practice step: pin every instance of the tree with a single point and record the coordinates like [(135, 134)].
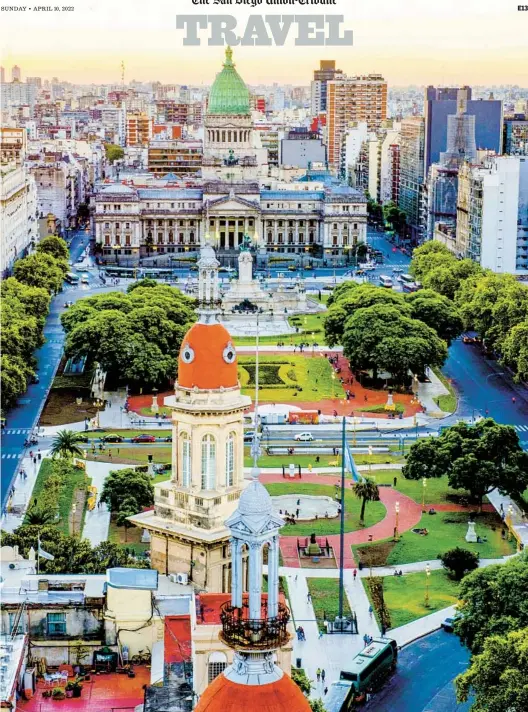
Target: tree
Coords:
[(72, 555), (300, 678), (128, 508), (317, 705), (447, 279), (438, 312), (428, 256), (347, 301), (367, 491), (477, 458), (340, 291), (66, 445), (459, 562), (121, 485), (41, 270), (113, 152), (395, 217), (54, 246), (142, 283), (135, 337), (38, 516), (380, 337), (493, 602), (497, 677), (515, 351), (14, 377)]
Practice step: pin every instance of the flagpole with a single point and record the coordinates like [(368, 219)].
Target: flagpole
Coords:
[(342, 528), (38, 554)]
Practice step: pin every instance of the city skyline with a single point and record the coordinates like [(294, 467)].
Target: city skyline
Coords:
[(479, 43)]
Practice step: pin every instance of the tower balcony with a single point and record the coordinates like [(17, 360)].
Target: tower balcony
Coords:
[(241, 632)]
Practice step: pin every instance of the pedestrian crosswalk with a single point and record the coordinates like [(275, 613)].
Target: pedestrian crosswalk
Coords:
[(17, 431), (10, 456), (521, 428)]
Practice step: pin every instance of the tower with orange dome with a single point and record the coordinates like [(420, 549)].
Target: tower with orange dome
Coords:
[(255, 626), (188, 535)]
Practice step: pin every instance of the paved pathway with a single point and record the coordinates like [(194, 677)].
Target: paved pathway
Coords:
[(97, 521), (19, 501), (427, 392), (409, 516)]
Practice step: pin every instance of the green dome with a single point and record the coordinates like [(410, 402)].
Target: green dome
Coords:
[(229, 95)]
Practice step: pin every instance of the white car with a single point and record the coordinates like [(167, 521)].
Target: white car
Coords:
[(367, 266), (304, 437), (85, 280), (397, 269)]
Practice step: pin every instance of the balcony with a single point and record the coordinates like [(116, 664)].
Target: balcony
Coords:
[(241, 632)]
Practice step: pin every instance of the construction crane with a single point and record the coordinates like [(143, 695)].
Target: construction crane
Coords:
[(122, 73)]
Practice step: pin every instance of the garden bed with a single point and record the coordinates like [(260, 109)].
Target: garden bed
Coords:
[(325, 599)]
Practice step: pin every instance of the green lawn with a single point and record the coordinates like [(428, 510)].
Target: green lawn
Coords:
[(160, 433), (128, 539), (436, 491), (124, 452), (325, 599), (77, 480), (446, 530), (374, 512), (307, 325), (287, 377), (404, 596), (324, 460), (448, 402)]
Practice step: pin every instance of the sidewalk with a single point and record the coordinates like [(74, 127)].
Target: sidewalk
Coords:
[(97, 521), (519, 522), (22, 496), (427, 392)]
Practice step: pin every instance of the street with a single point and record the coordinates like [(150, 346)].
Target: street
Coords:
[(481, 383), (423, 681)]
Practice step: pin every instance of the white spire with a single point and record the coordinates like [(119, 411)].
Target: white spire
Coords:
[(208, 284)]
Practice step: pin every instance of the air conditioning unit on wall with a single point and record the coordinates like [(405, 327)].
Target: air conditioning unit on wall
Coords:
[(179, 578)]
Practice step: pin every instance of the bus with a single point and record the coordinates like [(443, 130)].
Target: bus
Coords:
[(385, 281), (367, 671), (71, 278), (408, 283)]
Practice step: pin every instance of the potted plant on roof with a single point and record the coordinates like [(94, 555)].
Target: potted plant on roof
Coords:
[(58, 693), (69, 689), (77, 688)]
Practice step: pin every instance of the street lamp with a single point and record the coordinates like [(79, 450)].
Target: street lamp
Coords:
[(424, 485), (370, 459), (354, 422), (427, 577), (509, 520), (333, 384), (98, 404), (396, 531), (313, 344)]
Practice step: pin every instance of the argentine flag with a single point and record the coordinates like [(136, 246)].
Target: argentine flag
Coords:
[(350, 465)]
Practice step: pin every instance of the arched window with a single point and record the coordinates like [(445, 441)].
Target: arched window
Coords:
[(230, 460), (186, 459), (216, 664), (208, 462)]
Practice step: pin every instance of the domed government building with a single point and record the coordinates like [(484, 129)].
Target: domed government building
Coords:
[(231, 196)]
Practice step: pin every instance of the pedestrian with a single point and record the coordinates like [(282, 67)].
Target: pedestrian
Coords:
[(383, 630), (323, 675), (35, 460), (309, 597), (325, 690), (365, 640), (320, 633), (297, 513), (355, 574), (370, 611), (318, 674)]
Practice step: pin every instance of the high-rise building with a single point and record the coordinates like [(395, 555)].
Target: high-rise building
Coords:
[(440, 191), (492, 214), (352, 141), (515, 135), (412, 172), (326, 73), (36, 81), (2, 75), (353, 99), (138, 129), (16, 74), (440, 103)]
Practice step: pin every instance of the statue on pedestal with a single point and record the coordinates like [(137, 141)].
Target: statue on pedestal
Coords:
[(471, 536)]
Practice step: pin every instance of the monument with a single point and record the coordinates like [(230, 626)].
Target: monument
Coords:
[(471, 536)]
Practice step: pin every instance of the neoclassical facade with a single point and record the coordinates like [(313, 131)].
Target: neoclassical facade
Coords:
[(233, 197)]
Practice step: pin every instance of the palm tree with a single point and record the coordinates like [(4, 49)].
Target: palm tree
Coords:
[(39, 517), (65, 445), (366, 490)]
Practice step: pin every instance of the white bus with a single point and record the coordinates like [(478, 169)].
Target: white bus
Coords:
[(408, 283), (385, 281)]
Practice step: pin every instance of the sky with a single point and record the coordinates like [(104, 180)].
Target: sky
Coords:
[(408, 41)]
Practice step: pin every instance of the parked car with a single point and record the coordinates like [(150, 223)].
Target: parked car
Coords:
[(82, 438), (304, 437), (168, 439), (448, 624), (248, 437), (35, 378), (85, 280), (112, 438), (144, 438), (397, 269)]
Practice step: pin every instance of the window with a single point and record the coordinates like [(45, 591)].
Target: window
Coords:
[(230, 460), (21, 628), (56, 623), (164, 493), (208, 462), (217, 500), (198, 501), (186, 460), (216, 665)]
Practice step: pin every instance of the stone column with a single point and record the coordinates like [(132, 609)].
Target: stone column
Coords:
[(255, 580), (273, 578), (236, 573)]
